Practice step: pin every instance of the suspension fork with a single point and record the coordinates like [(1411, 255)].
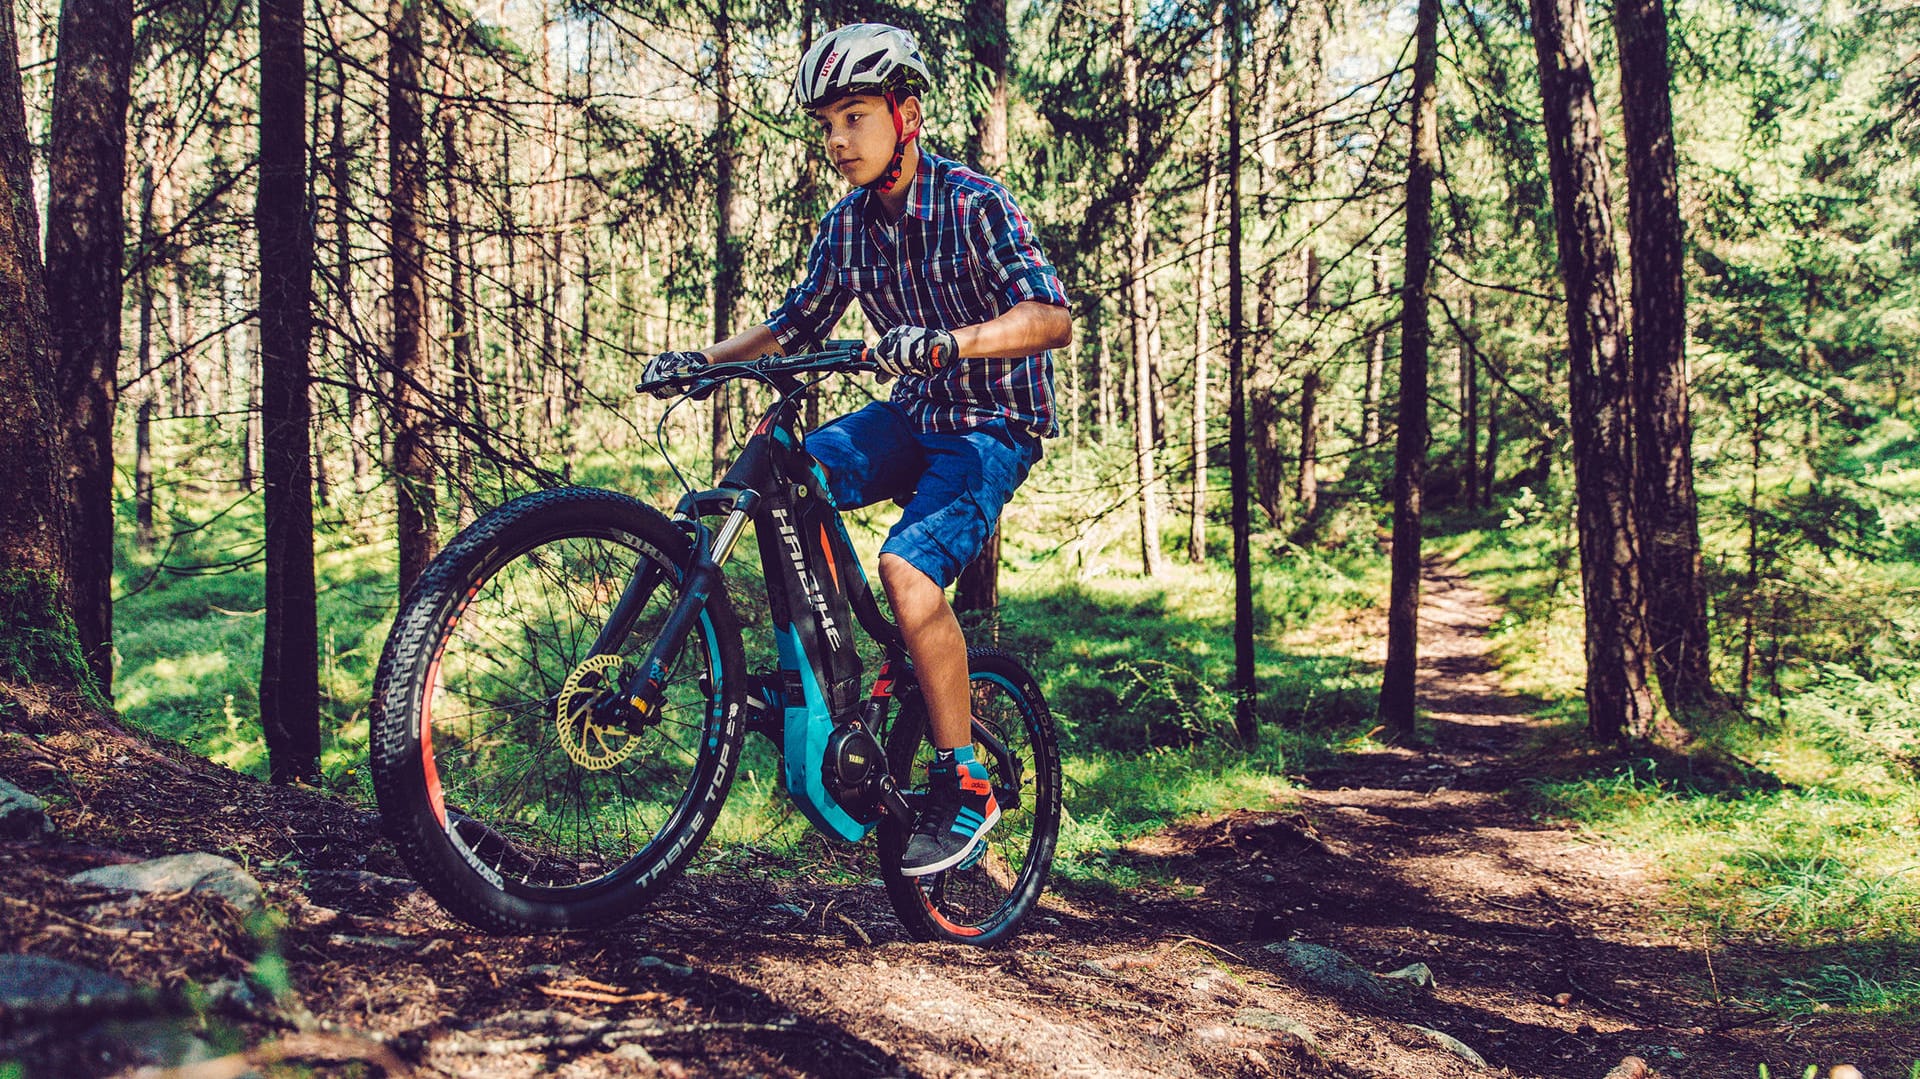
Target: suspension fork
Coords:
[(640, 698)]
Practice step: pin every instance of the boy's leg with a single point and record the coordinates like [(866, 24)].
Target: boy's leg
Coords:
[(936, 645), (956, 505)]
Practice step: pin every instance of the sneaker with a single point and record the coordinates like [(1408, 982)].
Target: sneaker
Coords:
[(953, 826)]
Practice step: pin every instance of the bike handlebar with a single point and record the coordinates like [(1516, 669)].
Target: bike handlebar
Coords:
[(851, 356)]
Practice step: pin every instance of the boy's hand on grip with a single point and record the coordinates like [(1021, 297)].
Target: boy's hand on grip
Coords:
[(915, 350), (664, 368)]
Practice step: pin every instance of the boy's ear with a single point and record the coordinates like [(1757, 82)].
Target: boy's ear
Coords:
[(910, 115)]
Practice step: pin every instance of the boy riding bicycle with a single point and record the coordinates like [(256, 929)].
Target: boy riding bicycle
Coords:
[(945, 267)]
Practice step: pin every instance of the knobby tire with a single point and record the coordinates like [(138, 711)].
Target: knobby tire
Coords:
[(518, 814)]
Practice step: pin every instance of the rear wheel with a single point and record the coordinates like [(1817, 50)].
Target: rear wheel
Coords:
[(982, 902), (518, 799)]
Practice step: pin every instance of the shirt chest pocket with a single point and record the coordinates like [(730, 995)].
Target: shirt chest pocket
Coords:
[(865, 280), (950, 272), (953, 286)]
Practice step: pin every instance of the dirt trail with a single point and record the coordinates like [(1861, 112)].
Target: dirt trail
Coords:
[(1547, 957)]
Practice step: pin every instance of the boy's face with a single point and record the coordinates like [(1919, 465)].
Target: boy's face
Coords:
[(859, 134)]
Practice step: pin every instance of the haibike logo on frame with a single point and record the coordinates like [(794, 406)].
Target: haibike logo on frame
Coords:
[(814, 596)]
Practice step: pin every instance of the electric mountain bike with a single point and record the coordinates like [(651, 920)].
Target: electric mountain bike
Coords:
[(561, 705)]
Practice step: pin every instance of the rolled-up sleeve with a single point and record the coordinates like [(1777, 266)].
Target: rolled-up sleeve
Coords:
[(1002, 239), (814, 305)]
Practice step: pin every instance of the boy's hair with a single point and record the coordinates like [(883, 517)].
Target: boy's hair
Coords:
[(864, 58)]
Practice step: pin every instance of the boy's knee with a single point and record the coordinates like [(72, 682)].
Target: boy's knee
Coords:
[(897, 572), (906, 582)]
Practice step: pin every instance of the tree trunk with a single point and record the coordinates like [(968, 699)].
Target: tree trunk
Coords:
[(466, 400), (340, 179), (978, 588), (1306, 487), (1139, 301), (1103, 416), (1756, 435), (987, 20), (1203, 343), (1263, 407), (1490, 469), (1410, 440), (1246, 689), (86, 229), (1306, 491), (1663, 426), (1376, 361), (143, 355), (143, 473), (413, 465), (1620, 700), (289, 660), (1270, 459), (1469, 411), (180, 325), (249, 381), (727, 248), (37, 642)]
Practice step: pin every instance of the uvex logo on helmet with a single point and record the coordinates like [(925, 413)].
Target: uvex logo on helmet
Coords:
[(826, 65)]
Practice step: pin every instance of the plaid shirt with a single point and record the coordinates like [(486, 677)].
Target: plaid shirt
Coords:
[(962, 254)]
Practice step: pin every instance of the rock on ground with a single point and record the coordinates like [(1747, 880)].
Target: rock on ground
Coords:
[(22, 816), (36, 985), (208, 874)]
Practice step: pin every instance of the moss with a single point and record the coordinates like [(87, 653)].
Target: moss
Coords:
[(38, 642)]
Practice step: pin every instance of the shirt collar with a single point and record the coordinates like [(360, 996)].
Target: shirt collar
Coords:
[(920, 193)]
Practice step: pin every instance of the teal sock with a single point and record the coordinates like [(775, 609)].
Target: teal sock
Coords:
[(947, 762)]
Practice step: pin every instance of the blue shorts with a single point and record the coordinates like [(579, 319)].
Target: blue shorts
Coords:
[(953, 484)]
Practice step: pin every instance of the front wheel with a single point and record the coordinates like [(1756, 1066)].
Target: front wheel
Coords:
[(981, 902), (520, 800)]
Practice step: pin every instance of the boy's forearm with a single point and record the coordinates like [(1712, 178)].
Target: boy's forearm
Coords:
[(1021, 330), (749, 344)]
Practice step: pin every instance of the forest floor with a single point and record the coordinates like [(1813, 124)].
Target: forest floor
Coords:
[(1549, 949)]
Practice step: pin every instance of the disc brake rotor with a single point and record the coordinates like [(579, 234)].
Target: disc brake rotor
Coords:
[(589, 743)]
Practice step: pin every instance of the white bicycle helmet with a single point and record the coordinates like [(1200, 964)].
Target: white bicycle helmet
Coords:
[(863, 58)]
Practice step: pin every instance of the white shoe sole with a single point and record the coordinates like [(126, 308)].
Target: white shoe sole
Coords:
[(966, 852)]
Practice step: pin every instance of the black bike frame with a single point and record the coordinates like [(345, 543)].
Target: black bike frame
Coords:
[(816, 589)]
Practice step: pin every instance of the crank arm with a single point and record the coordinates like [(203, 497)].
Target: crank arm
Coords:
[(1009, 795), (894, 804)]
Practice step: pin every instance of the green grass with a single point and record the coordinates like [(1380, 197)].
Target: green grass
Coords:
[(188, 628), (1805, 867)]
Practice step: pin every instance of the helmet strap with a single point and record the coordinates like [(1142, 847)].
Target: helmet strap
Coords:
[(891, 175)]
